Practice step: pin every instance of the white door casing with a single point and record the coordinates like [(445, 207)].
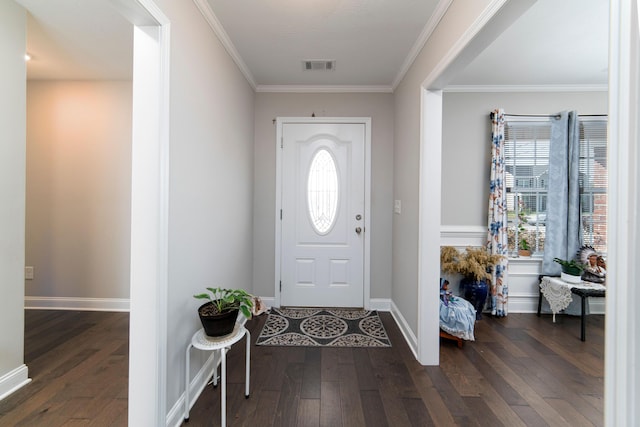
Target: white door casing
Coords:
[(322, 251)]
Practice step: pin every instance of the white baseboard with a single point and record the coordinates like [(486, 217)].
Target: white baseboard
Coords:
[(380, 304), (14, 380), (409, 336), (268, 301), (175, 417), (529, 304), (81, 304)]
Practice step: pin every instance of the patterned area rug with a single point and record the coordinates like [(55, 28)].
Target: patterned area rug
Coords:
[(323, 327)]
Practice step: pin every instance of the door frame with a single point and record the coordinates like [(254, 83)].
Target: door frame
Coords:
[(149, 283), (366, 121)]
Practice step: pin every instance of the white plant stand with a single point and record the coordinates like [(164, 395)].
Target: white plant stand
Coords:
[(221, 344)]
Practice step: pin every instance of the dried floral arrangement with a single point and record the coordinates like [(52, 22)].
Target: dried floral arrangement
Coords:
[(475, 263)]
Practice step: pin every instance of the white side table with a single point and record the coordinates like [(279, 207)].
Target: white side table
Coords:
[(222, 344)]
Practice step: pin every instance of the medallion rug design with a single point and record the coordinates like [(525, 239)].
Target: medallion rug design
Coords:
[(332, 327)]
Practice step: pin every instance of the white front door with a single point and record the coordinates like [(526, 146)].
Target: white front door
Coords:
[(323, 207)]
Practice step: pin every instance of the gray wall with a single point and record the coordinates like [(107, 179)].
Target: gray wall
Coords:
[(211, 179), (406, 169), (378, 106), (78, 189), (466, 145), (466, 152), (13, 76)]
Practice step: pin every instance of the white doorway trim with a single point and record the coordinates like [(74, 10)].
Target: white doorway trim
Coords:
[(149, 213), (622, 344), (429, 226), (497, 16), (367, 197)]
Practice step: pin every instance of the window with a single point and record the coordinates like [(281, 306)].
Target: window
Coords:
[(322, 192), (594, 182), (527, 169)]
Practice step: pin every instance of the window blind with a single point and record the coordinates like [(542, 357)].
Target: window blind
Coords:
[(527, 167)]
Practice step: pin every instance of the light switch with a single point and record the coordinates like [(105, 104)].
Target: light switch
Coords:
[(397, 206), (28, 273)]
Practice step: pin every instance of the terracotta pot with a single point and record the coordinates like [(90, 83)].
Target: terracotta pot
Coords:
[(524, 252), (219, 324)]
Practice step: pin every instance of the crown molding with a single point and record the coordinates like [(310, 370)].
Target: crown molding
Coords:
[(430, 26), (323, 89), (216, 26), (527, 88)]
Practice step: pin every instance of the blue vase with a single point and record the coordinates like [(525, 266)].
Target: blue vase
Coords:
[(475, 291)]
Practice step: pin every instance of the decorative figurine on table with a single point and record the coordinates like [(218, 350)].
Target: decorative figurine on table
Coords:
[(457, 315), (595, 268)]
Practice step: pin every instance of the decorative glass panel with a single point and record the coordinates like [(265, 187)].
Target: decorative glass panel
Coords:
[(322, 191)]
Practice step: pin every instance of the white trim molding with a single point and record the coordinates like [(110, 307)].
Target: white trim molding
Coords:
[(175, 416), (526, 88), (462, 236), (14, 380), (380, 304), (622, 346), (80, 304), (403, 325), (324, 89), (430, 26), (218, 29), (149, 218)]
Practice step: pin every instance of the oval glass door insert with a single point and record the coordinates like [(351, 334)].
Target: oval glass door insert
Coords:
[(322, 191)]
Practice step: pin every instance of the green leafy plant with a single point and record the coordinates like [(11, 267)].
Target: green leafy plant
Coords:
[(228, 299), (474, 263), (522, 232), (572, 267)]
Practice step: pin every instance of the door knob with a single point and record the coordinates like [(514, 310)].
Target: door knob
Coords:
[(358, 230)]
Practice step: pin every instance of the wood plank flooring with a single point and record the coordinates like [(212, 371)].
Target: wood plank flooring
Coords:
[(521, 371), (79, 364)]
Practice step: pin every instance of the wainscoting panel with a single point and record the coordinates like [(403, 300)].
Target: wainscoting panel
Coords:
[(523, 272)]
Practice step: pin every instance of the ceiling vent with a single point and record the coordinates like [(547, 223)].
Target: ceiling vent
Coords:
[(319, 65)]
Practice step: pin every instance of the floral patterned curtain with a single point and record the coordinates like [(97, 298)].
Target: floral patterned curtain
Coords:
[(497, 227)]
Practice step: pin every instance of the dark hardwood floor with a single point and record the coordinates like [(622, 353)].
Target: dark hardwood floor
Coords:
[(79, 364), (521, 370)]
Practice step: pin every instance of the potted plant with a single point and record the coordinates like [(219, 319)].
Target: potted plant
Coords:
[(218, 315), (475, 265), (524, 249), (571, 270)]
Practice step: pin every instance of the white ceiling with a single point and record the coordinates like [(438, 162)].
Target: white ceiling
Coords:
[(368, 39), (77, 40), (553, 43)]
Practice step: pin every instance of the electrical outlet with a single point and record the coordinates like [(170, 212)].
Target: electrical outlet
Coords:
[(397, 206), (28, 273)]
